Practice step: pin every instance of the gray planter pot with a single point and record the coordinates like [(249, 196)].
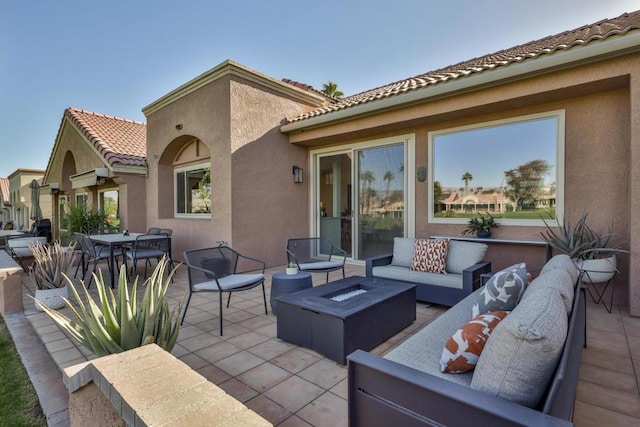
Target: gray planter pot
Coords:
[(598, 270), (51, 297)]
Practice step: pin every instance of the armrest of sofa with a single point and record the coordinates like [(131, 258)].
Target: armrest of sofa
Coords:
[(471, 276), (383, 392), (377, 261)]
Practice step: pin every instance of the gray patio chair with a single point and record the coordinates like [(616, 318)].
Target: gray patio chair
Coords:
[(316, 255), (148, 247), (92, 253), (215, 270)]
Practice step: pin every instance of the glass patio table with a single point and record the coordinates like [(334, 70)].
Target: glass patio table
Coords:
[(114, 241)]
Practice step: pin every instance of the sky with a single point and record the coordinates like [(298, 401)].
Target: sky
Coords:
[(119, 56)]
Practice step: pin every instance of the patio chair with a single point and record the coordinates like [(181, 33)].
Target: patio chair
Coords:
[(215, 270), (91, 253), (148, 247), (316, 255), (18, 247)]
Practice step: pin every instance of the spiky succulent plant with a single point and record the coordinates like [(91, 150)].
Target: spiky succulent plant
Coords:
[(51, 263)]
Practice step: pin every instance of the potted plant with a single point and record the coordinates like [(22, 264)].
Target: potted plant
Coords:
[(117, 323), (51, 263), (481, 225), (292, 268), (593, 252)]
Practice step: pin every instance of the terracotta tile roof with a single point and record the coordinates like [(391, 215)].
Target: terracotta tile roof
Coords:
[(578, 37), (4, 188), (309, 88), (120, 141)]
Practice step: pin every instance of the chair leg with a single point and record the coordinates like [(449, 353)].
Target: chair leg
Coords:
[(264, 297), (220, 302), (229, 299), (343, 276), (327, 277), (184, 312)]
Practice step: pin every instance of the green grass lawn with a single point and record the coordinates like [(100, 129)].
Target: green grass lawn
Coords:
[(19, 405), (529, 214)]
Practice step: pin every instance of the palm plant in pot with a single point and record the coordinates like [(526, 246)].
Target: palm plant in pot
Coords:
[(593, 252), (51, 263), (481, 225)]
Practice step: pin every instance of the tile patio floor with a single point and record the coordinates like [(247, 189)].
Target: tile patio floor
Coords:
[(294, 386)]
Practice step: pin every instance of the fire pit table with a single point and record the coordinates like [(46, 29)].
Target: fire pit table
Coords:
[(340, 317)]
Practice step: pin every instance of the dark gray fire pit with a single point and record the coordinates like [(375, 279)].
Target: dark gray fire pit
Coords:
[(340, 317)]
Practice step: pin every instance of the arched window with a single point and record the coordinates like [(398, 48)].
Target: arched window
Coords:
[(192, 180)]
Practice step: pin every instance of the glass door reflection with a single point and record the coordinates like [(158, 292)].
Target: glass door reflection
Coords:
[(335, 200)]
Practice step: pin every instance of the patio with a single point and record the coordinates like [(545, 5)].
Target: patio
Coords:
[(294, 386)]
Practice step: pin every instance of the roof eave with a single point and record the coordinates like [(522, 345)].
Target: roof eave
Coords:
[(612, 46), (233, 68)]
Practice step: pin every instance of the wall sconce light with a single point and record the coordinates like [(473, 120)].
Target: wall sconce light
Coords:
[(328, 178), (179, 126), (101, 180), (54, 187), (297, 174)]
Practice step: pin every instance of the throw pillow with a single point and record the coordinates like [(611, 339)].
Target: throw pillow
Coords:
[(462, 350), (403, 251), (503, 291), (462, 255), (430, 255)]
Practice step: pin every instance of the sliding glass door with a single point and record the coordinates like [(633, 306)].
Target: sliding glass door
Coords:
[(360, 196)]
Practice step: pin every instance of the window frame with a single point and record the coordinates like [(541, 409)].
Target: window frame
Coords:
[(559, 165), (187, 168)]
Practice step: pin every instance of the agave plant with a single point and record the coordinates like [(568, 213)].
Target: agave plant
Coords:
[(51, 264), (116, 323), (580, 241)]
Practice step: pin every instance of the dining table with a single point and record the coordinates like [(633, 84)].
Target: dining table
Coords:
[(114, 241)]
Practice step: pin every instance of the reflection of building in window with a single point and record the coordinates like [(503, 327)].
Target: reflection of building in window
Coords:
[(193, 190)]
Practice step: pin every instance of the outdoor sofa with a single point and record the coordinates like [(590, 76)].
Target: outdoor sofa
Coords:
[(464, 266), (526, 374)]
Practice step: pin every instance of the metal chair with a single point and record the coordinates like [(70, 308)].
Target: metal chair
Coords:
[(316, 255), (91, 253), (147, 247), (215, 270)]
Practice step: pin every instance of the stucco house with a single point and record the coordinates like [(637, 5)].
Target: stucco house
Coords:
[(17, 203), (96, 160), (5, 204), (226, 150)]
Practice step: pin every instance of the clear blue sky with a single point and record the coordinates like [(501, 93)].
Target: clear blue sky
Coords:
[(115, 57)]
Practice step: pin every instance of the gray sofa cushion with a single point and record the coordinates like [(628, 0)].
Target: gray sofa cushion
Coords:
[(522, 352), (403, 251), (407, 275), (423, 350), (464, 254), (556, 278), (563, 262), (503, 291)]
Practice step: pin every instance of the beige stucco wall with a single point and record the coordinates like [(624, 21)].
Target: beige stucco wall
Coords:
[(255, 204), (601, 140), (20, 196)]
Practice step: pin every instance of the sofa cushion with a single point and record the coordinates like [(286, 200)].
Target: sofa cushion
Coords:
[(563, 262), (462, 255), (430, 255), (423, 350), (403, 251), (556, 278), (503, 291), (463, 348), (523, 350), (406, 275)]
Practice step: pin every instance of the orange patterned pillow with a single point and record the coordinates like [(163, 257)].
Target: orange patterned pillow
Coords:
[(430, 255), (462, 350)]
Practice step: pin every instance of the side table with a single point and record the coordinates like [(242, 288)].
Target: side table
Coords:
[(282, 284)]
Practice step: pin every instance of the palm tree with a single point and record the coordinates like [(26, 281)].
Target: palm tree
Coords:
[(388, 177), (466, 178), (331, 89)]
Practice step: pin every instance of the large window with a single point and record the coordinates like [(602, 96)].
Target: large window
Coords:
[(512, 169), (193, 190)]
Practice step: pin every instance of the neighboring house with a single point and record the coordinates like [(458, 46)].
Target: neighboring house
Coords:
[(20, 197), (99, 161), (5, 203), (562, 112)]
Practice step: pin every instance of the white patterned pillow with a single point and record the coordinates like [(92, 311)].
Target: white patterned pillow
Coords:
[(430, 255), (503, 291)]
